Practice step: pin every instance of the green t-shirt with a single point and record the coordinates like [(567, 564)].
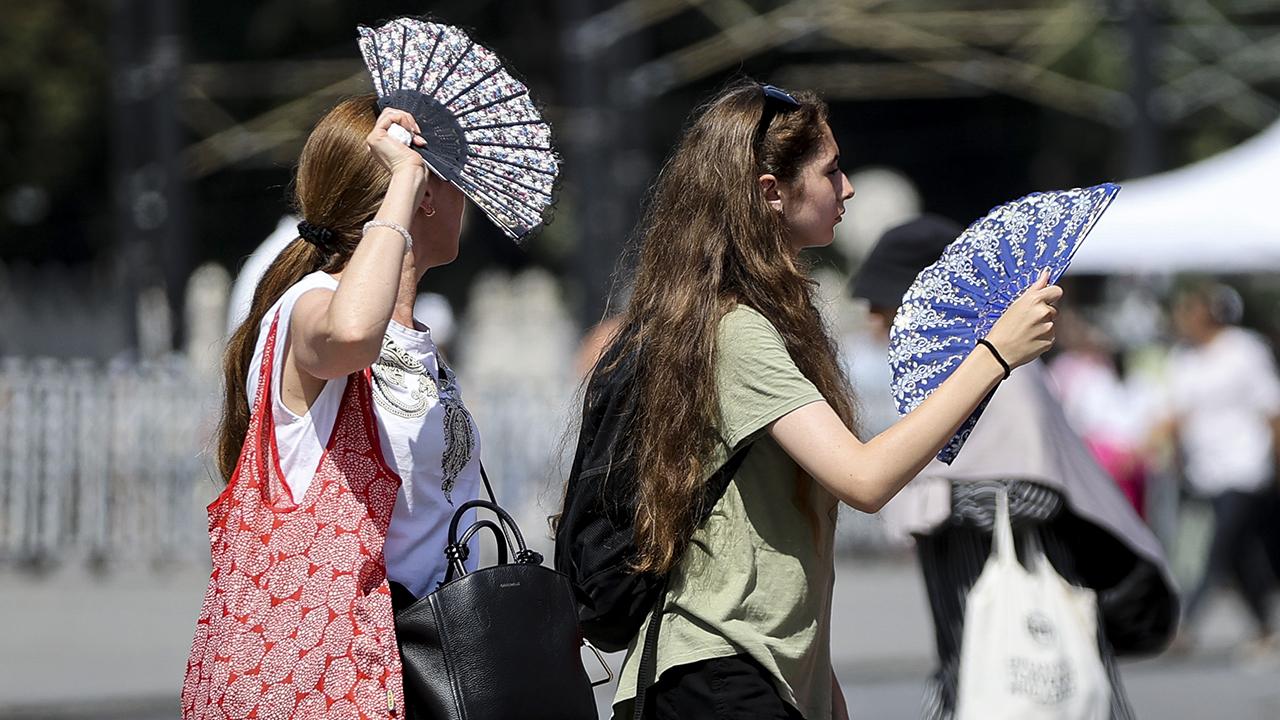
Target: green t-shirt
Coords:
[(757, 576)]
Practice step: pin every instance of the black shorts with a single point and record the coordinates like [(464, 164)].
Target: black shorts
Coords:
[(729, 688)]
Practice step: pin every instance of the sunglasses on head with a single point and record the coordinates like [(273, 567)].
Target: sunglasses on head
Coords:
[(776, 100)]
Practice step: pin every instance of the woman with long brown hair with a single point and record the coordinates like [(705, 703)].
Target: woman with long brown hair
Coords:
[(731, 351)]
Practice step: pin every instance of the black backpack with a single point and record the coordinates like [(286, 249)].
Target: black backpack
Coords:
[(595, 535)]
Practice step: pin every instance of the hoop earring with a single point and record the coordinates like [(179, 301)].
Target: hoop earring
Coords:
[(431, 211)]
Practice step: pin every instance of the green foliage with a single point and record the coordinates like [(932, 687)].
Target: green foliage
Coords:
[(53, 91)]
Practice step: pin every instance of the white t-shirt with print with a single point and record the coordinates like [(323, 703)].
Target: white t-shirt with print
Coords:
[(427, 437), (1223, 395)]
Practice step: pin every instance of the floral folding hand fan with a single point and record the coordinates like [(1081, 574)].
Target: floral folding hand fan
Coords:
[(483, 132), (957, 300)]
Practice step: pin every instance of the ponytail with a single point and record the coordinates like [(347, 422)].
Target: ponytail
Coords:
[(338, 187)]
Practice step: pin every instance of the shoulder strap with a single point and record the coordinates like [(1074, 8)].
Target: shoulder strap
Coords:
[(488, 488), (266, 369), (648, 671), (261, 430)]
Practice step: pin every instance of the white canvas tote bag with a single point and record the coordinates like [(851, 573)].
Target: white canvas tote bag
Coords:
[(1030, 646)]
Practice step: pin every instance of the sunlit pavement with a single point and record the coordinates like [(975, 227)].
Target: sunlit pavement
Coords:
[(114, 648)]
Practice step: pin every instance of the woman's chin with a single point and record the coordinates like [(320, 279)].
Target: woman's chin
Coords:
[(821, 242), (443, 259)]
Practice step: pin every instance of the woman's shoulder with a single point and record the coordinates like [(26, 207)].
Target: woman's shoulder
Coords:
[(743, 323), (318, 280), (746, 342), (283, 307)]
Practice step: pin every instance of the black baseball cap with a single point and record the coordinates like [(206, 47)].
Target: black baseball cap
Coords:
[(900, 254)]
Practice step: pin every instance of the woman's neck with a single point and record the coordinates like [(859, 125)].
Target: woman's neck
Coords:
[(407, 294)]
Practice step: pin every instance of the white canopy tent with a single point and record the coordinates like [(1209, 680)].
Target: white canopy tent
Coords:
[(1221, 214)]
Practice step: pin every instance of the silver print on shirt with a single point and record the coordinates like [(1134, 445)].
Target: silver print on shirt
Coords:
[(403, 387)]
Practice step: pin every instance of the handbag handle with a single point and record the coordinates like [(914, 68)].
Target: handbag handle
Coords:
[(457, 552)]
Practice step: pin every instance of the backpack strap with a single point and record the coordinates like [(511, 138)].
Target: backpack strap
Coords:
[(648, 671)]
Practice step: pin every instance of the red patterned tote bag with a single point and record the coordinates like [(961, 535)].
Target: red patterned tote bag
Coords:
[(297, 619)]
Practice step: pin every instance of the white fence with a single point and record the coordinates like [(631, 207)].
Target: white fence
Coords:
[(100, 462), (107, 464)]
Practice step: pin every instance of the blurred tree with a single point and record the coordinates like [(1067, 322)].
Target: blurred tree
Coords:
[(53, 133), (977, 101)]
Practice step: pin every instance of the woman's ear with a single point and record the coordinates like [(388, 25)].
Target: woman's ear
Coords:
[(772, 191), (429, 193)]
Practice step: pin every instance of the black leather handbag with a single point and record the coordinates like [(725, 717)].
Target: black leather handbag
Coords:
[(499, 643)]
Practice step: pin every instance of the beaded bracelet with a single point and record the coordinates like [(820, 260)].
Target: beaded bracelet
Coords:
[(408, 239)]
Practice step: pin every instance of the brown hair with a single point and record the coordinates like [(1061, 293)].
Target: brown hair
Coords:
[(710, 241), (338, 186)]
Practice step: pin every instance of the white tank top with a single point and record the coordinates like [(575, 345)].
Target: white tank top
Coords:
[(427, 436)]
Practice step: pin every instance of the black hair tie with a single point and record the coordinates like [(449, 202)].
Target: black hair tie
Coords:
[(996, 353), (321, 237)]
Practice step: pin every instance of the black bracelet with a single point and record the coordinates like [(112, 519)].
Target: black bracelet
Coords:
[(996, 353)]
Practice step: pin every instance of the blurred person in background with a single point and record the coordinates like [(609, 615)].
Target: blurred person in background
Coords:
[(865, 352), (1224, 396), (255, 266), (1111, 419), (1023, 445), (730, 351), (344, 440)]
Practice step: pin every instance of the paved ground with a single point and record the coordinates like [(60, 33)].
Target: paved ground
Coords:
[(74, 645)]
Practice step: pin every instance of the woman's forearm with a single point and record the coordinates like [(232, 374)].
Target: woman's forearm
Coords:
[(362, 305), (867, 475), (905, 448)]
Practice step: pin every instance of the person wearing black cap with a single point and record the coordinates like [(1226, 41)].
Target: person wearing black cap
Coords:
[(884, 276), (899, 256), (1056, 492)]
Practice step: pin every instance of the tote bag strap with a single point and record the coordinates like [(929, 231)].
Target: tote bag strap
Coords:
[(266, 370), (487, 487), (266, 476), (1003, 550), (1038, 559)]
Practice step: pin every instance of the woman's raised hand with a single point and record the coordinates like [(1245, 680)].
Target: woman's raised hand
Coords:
[(392, 153), (1025, 331)]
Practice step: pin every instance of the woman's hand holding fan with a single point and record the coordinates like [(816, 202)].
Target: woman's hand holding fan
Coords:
[(1025, 331), (390, 139)]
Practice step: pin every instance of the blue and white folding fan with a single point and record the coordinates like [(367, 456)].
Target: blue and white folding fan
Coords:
[(483, 132), (957, 300)]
